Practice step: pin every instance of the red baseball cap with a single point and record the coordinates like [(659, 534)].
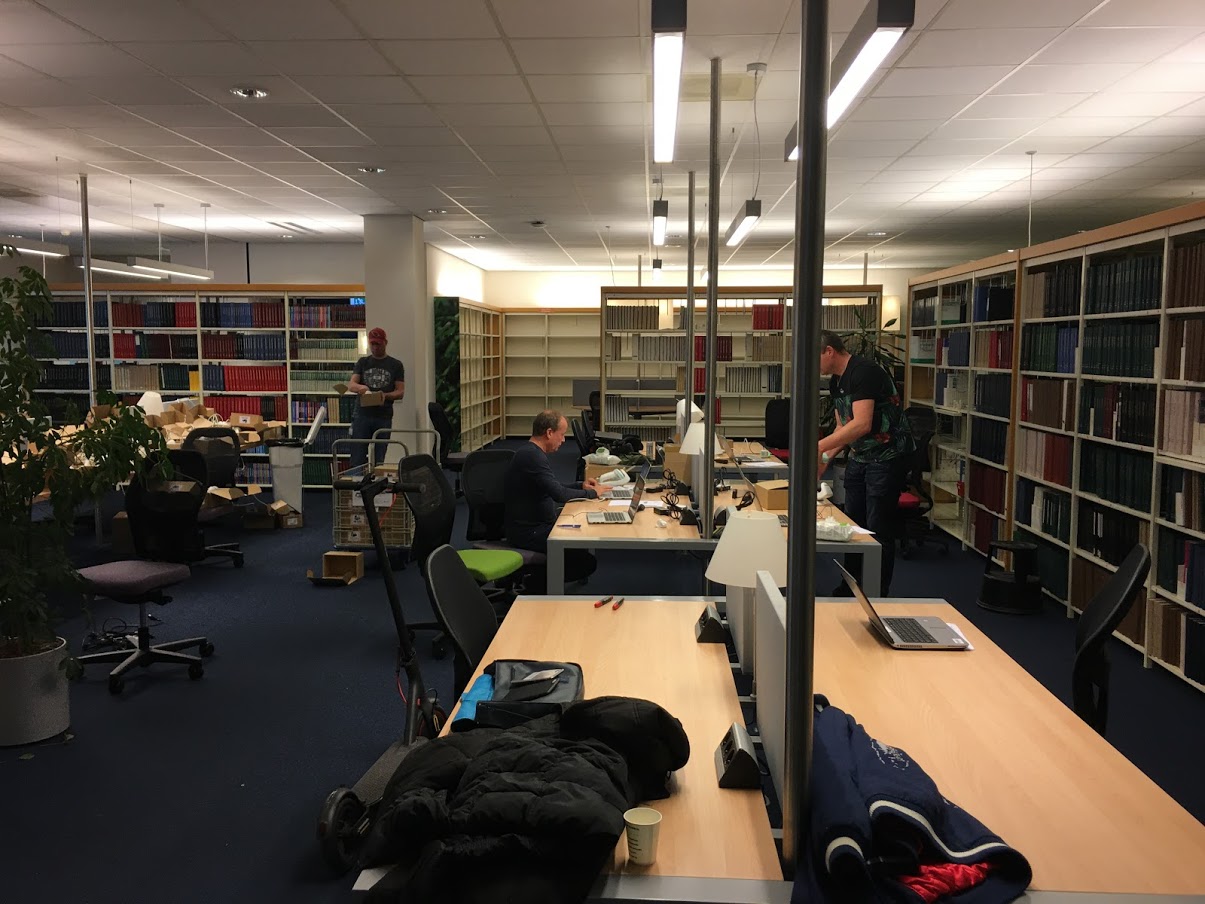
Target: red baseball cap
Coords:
[(376, 334)]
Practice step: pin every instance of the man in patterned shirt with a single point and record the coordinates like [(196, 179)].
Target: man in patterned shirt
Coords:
[(871, 422)]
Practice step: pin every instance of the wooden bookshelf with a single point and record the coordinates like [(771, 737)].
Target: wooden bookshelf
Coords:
[(546, 351), (481, 389)]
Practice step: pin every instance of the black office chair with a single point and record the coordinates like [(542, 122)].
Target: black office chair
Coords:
[(594, 416), (485, 492), (448, 460), (177, 536), (219, 446), (778, 426), (916, 502), (1102, 615), (581, 437), (922, 419), (460, 605)]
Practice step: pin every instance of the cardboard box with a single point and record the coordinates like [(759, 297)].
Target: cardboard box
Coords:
[(289, 520), (771, 494), (259, 519), (338, 569), (677, 462), (219, 496), (372, 399), (341, 388), (250, 421)]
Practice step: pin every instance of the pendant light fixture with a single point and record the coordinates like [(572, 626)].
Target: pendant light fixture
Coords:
[(160, 267), (669, 36), (746, 218)]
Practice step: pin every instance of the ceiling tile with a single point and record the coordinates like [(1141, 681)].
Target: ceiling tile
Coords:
[(1008, 106), (524, 114), (1016, 13), (1154, 144), (321, 136), (25, 23), (184, 152), (204, 58), (135, 20), (270, 153), (750, 17), (1172, 125), (1088, 126), (322, 57), (1006, 129), (233, 137), (583, 56), (359, 89), (40, 91), (286, 115), (134, 90), (272, 20), (1115, 45), (280, 90), (1149, 12), (505, 153), (577, 135), (589, 89), (505, 135), (883, 109), (556, 19), (137, 136), (411, 137), (958, 148), (445, 19), (501, 89), (936, 82), (196, 115), (1163, 78), (388, 115), (83, 116), (77, 60), (622, 114), (981, 47), (869, 148), (449, 57), (1090, 77), (1117, 103)]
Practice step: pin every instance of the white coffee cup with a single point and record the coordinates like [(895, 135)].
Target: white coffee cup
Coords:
[(643, 829)]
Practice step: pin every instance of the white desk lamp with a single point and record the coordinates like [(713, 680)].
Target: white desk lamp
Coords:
[(683, 422), (751, 542)]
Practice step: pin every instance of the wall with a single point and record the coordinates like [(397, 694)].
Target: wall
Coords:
[(450, 276), (278, 262)]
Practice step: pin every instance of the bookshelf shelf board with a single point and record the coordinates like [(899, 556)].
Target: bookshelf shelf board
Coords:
[(262, 486), (1029, 528), (923, 329), (953, 326), (235, 361), (1029, 425), (962, 367), (1047, 373), (991, 370), (982, 507), (647, 422), (1087, 437), (928, 364), (950, 487), (1178, 600), (1044, 482), (1129, 643), (324, 423), (74, 329), (1191, 464), (193, 364), (321, 392), (1067, 318), (315, 361), (1184, 384), (1185, 312), (1179, 673), (954, 411), (1121, 315), (990, 464), (1095, 560), (513, 355), (1105, 378), (1054, 596), (320, 329), (325, 454), (1171, 525), (73, 360), (160, 329), (78, 391), (953, 528), (951, 447), (1100, 500), (920, 401), (257, 454), (238, 392), (988, 323), (242, 329), (990, 417)]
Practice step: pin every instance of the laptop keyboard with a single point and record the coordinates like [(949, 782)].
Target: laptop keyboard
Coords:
[(782, 520), (909, 630), (615, 517), (621, 494)]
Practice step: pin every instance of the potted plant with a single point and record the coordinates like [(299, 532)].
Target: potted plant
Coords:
[(60, 468)]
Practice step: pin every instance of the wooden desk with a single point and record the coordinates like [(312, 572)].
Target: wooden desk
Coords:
[(999, 744), (706, 831)]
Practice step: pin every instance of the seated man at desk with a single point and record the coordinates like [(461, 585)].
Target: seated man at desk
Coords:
[(534, 496)]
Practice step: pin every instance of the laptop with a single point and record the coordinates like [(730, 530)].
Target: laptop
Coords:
[(626, 491), (907, 632), (625, 517)]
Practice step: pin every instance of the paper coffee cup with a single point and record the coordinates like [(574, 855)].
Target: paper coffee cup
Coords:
[(643, 828)]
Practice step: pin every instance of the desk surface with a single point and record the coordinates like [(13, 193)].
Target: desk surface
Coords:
[(999, 744), (823, 510), (706, 831)]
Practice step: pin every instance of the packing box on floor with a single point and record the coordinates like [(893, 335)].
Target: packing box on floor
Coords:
[(338, 569)]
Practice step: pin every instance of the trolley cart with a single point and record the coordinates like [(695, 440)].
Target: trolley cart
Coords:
[(349, 519)]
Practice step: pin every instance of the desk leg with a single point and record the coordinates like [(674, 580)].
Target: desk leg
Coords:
[(556, 568), (872, 569)]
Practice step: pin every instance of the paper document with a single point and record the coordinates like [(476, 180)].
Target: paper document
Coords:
[(620, 503), (862, 530)]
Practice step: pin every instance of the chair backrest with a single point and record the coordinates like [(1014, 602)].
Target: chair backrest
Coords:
[(595, 409), (778, 423), (1104, 612), (921, 418), (918, 464), (462, 608), (484, 484), (219, 446), (434, 505), (581, 436), (163, 519), (443, 426)]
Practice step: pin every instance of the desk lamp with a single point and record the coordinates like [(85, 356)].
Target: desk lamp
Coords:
[(751, 542)]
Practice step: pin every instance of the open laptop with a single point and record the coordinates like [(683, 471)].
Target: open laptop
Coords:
[(625, 517), (627, 490), (782, 519), (907, 632)]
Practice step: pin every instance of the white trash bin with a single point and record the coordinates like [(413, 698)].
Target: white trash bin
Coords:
[(286, 457)]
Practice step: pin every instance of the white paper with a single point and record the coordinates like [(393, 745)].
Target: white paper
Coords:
[(862, 530), (620, 503), (957, 630), (765, 463)]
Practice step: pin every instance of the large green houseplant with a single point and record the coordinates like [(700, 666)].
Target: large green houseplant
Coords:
[(61, 469)]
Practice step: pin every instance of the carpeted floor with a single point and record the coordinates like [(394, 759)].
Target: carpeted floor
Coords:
[(210, 790)]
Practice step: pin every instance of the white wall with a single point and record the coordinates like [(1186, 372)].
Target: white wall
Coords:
[(450, 276), (278, 262)]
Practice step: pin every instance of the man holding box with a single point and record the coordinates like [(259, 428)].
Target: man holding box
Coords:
[(379, 380)]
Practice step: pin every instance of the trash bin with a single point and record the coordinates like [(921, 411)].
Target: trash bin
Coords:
[(286, 457)]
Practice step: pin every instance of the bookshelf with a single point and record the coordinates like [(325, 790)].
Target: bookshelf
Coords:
[(961, 362), (642, 334), (275, 351), (1108, 419), (546, 351), (481, 390)]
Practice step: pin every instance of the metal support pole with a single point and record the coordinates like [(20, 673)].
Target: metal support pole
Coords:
[(805, 405), (705, 495), (86, 229), (640, 269), (688, 323)]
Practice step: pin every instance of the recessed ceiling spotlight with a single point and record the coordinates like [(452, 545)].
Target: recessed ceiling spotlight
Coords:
[(287, 235), (876, 234), (249, 92), (372, 169), (436, 210), (478, 237)]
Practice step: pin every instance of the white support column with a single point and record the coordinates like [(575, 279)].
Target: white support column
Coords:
[(395, 288)]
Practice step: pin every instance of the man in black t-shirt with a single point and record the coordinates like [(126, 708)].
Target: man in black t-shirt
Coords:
[(871, 422), (377, 372)]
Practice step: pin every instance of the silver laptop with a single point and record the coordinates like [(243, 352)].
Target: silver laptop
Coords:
[(907, 632), (626, 491), (625, 517)]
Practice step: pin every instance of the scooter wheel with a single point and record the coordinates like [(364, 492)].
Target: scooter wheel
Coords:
[(428, 730), (337, 838)]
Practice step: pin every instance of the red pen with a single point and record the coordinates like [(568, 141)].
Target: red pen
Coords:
[(618, 603), (603, 602)]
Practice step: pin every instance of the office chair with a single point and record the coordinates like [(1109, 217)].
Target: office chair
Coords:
[(448, 460), (597, 436), (460, 605), (1104, 612), (485, 492), (580, 436), (219, 446), (142, 582), (176, 536), (915, 503), (778, 428)]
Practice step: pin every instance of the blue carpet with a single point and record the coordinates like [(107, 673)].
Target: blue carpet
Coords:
[(209, 791)]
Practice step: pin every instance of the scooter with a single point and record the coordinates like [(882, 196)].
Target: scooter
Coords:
[(348, 813)]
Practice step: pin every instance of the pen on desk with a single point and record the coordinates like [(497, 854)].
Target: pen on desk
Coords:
[(604, 601), (618, 603)]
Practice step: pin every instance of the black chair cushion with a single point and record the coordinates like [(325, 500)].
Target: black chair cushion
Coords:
[(132, 577)]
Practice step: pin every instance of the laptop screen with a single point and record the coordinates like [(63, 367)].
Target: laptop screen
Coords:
[(637, 492), (861, 598)]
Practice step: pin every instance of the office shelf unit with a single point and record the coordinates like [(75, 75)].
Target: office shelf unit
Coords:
[(960, 354), (481, 395), (268, 350), (545, 352), (643, 352)]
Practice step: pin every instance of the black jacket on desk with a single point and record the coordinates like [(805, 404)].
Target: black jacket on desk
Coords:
[(533, 497)]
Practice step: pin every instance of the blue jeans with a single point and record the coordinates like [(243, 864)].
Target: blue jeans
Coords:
[(363, 426), (872, 499)]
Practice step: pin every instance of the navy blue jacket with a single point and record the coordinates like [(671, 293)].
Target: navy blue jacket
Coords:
[(533, 498)]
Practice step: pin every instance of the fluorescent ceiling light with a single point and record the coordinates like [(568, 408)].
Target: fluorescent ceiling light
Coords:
[(660, 218), (877, 31), (33, 246), (746, 218), (669, 34), (167, 268), (97, 265)]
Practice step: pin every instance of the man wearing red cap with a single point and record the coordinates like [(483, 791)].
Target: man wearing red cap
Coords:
[(376, 372)]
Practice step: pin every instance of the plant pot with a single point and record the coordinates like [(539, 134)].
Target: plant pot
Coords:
[(34, 697)]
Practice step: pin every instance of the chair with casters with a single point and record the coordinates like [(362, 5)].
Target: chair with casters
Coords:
[(1104, 612), (915, 503), (463, 608), (581, 437), (597, 436), (181, 544), (219, 446), (141, 582), (778, 428), (485, 492), (448, 460)]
